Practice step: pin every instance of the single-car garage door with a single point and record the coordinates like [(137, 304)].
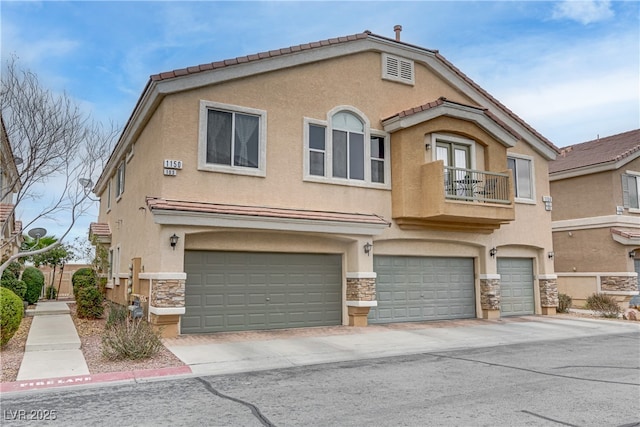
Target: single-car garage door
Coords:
[(423, 288), (516, 286), (236, 291)]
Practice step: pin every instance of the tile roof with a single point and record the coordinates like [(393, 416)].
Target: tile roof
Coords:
[(629, 233), (441, 101), (598, 151), (261, 211), (99, 229), (6, 209), (257, 56)]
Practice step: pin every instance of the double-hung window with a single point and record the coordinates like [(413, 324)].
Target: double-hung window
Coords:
[(631, 190), (232, 139), (120, 179), (522, 170), (345, 151)]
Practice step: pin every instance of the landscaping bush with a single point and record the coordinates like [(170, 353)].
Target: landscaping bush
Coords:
[(14, 267), (51, 292), (34, 280), (10, 282), (11, 311), (89, 303), (133, 339), (117, 315), (564, 303), (604, 305), (82, 282), (83, 272)]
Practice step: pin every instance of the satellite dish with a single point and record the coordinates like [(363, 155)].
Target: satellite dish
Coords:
[(37, 233), (85, 182)]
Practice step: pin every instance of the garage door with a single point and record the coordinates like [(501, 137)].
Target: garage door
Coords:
[(516, 286), (236, 291), (423, 288)]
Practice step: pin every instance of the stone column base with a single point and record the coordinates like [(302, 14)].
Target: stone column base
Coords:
[(166, 325), (358, 315), (490, 314), (548, 311)]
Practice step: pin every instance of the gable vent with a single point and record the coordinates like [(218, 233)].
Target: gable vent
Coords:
[(397, 69)]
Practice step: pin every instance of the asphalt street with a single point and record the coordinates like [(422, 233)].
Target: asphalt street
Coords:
[(592, 381)]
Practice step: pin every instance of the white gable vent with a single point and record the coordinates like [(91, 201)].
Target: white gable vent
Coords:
[(397, 69)]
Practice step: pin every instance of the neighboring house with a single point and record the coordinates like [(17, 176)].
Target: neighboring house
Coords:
[(353, 180), (596, 217), (10, 228)]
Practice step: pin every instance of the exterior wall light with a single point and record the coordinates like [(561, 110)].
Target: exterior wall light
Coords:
[(632, 254), (493, 252), (551, 255), (367, 248), (173, 241)]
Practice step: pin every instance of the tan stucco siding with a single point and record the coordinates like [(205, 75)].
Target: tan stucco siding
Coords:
[(591, 195), (590, 250)]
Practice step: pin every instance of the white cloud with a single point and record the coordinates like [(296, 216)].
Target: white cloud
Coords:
[(585, 12)]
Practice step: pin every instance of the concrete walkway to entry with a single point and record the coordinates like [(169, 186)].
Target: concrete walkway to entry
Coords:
[(53, 345)]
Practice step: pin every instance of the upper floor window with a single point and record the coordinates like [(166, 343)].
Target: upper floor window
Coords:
[(232, 139), (631, 191), (109, 195), (120, 179), (345, 151), (522, 170)]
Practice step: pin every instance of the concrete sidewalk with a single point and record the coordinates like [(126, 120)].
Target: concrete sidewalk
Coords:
[(53, 345)]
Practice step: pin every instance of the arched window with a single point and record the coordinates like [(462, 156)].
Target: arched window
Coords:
[(348, 146), (344, 150)]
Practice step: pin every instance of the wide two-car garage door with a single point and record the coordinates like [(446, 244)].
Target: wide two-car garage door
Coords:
[(423, 288), (516, 286), (235, 291)]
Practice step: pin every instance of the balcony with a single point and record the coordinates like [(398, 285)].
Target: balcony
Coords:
[(455, 199)]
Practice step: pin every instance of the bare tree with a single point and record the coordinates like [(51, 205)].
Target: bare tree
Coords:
[(57, 148)]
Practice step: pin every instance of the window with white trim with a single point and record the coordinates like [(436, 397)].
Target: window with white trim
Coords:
[(631, 190), (397, 69), (120, 173), (345, 151), (232, 139), (109, 195), (522, 170)]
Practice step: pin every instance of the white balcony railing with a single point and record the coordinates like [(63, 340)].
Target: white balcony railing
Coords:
[(476, 186)]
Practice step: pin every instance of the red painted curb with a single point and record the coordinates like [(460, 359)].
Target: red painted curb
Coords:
[(46, 383)]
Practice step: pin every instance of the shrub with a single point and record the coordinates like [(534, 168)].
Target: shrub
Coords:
[(117, 315), (134, 339), (10, 282), (564, 303), (35, 282), (604, 305), (11, 311), (15, 268), (89, 303), (83, 282), (83, 272), (51, 292)]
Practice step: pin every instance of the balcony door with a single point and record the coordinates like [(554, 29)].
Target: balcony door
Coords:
[(456, 156)]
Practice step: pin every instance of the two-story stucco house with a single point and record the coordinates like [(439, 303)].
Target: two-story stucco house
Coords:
[(349, 181), (596, 217)]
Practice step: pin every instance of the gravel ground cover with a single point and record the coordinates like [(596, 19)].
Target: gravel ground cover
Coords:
[(90, 333)]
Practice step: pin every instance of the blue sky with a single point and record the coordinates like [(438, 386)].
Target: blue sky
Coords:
[(570, 69)]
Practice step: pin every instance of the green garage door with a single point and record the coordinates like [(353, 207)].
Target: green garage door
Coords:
[(516, 286), (412, 289), (237, 291)]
